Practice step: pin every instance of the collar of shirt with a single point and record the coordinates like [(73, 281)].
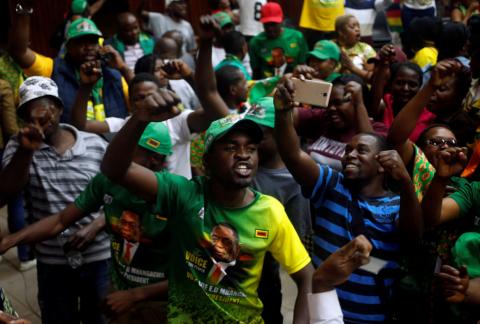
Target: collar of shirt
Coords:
[(79, 148)]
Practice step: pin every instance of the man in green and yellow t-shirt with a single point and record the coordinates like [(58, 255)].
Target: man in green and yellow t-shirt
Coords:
[(221, 228), (278, 49)]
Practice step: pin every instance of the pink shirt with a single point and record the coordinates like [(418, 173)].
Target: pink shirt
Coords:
[(426, 118)]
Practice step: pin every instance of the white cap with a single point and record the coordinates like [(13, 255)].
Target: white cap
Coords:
[(36, 87)]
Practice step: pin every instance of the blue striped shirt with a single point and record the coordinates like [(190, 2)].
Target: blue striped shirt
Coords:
[(364, 296)]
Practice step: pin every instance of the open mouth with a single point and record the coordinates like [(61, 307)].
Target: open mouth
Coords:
[(243, 170)]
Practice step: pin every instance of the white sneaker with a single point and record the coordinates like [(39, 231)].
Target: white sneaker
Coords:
[(27, 265)]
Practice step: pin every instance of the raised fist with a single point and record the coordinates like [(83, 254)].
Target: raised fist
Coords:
[(159, 106)]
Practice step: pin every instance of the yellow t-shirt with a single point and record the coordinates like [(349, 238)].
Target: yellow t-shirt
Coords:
[(426, 56), (43, 66), (321, 14)]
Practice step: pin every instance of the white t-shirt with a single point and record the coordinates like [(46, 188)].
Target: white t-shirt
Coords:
[(218, 54), (132, 53), (179, 161), (250, 13), (159, 24), (187, 95)]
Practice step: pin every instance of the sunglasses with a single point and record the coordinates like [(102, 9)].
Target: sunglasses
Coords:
[(440, 141)]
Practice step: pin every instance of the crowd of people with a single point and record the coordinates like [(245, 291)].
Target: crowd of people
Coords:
[(164, 174)]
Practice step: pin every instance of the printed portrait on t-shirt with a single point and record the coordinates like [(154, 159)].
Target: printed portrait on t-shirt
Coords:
[(131, 232), (278, 57), (224, 250), (130, 226)]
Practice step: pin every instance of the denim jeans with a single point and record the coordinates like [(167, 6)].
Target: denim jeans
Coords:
[(67, 295)]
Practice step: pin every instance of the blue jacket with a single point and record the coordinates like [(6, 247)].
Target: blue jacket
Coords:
[(114, 100)]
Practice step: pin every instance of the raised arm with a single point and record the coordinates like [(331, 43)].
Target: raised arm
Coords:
[(379, 80), (90, 73), (410, 222), (44, 229), (406, 120), (117, 163), (213, 105), (8, 110), (19, 37), (436, 208), (95, 7), (300, 164), (15, 175), (116, 62), (361, 115)]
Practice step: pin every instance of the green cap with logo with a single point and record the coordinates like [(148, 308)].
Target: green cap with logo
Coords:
[(221, 127), (78, 7), (465, 252), (156, 138), (326, 50), (82, 27), (223, 19), (262, 112)]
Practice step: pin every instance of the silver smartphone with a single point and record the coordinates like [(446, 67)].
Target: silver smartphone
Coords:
[(312, 92)]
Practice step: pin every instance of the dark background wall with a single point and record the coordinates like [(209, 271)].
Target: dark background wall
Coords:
[(49, 14)]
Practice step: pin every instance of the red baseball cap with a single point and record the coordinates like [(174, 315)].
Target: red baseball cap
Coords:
[(271, 12)]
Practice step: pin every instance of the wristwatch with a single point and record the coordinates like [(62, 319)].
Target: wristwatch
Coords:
[(19, 10)]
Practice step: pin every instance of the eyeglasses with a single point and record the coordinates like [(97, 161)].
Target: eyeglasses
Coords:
[(440, 141)]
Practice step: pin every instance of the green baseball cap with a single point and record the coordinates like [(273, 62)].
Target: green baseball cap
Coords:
[(82, 27), (262, 112), (221, 127), (326, 50), (223, 19), (465, 252), (78, 7), (156, 138)]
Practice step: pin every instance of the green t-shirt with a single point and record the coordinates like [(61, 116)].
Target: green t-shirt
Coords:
[(139, 236), (217, 253), (268, 54), (468, 199)]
